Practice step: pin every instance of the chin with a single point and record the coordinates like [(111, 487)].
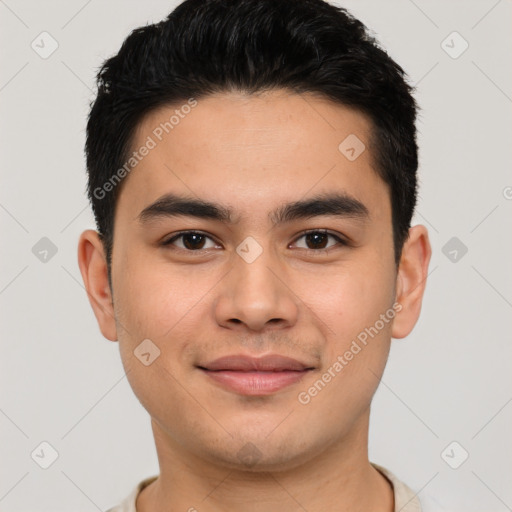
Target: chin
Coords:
[(257, 454)]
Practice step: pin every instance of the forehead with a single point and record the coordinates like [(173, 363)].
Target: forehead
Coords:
[(253, 150)]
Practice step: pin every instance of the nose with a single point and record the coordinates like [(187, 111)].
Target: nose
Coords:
[(255, 296)]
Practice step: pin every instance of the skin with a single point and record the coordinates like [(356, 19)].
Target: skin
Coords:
[(253, 154)]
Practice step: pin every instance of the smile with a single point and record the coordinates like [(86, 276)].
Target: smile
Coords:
[(253, 376)]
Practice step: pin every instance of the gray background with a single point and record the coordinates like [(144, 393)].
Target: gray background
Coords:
[(63, 383)]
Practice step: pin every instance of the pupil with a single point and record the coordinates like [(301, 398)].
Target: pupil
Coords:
[(195, 237), (314, 238)]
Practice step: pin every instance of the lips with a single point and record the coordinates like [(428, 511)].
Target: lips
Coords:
[(255, 376), (268, 363)]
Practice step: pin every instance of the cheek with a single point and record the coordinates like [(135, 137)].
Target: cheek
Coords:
[(153, 303), (362, 318), (152, 296), (346, 301), (357, 341), (166, 305)]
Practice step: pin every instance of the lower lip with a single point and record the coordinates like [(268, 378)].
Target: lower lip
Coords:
[(255, 383)]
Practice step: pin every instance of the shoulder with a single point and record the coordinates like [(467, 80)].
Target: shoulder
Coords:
[(128, 504), (406, 500)]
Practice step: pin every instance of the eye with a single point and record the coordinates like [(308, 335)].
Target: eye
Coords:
[(190, 241), (318, 240)]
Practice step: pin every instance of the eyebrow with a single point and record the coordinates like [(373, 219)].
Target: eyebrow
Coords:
[(327, 204)]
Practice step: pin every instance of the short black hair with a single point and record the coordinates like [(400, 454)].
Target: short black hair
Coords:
[(212, 46)]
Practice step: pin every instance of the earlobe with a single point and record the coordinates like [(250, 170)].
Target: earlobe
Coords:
[(411, 280), (93, 267)]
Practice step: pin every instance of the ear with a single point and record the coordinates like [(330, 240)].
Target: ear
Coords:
[(93, 267), (411, 280)]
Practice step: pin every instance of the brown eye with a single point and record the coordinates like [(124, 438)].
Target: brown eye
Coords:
[(190, 241), (193, 241), (318, 240)]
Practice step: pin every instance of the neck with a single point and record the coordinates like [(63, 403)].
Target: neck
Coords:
[(340, 478)]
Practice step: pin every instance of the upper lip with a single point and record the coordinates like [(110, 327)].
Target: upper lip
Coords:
[(244, 363)]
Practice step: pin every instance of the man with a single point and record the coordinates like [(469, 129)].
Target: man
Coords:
[(252, 169)]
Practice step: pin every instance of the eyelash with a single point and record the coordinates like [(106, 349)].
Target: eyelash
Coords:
[(340, 240)]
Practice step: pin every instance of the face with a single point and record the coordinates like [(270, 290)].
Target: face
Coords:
[(267, 313)]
